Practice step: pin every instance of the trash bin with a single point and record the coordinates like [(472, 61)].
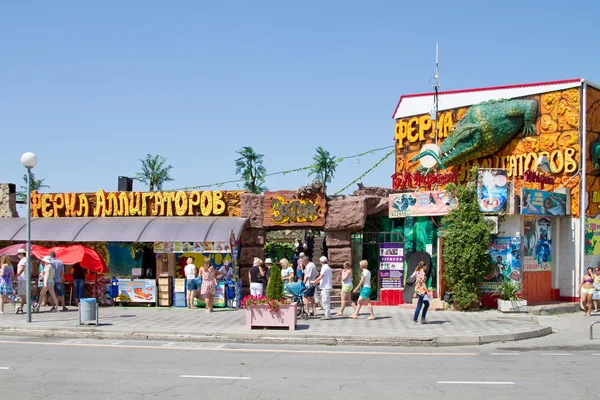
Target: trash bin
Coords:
[(88, 311)]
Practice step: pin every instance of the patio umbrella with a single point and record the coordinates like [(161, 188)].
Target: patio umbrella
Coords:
[(75, 253), (12, 249)]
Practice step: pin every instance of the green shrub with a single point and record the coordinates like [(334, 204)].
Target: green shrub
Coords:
[(275, 285), (466, 247), (509, 290)]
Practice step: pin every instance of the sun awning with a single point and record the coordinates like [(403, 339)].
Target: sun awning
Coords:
[(123, 229)]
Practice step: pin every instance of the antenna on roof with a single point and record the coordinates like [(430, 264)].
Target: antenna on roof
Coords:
[(436, 87)]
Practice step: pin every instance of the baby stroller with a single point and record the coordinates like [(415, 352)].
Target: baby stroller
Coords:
[(295, 292)]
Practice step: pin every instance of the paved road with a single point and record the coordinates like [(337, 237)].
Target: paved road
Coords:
[(33, 368)]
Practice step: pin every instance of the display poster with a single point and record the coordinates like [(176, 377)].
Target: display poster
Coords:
[(537, 244), (506, 259), (137, 291), (219, 299), (416, 204), (191, 247), (492, 190), (217, 259), (539, 202), (391, 265), (592, 237)]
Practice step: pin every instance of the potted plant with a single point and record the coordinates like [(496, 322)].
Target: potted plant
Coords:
[(272, 310), (509, 299)]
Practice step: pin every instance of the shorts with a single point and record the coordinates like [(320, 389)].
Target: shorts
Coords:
[(365, 292), (192, 284), (58, 289), (310, 292), (22, 287), (587, 291), (596, 295), (346, 288)]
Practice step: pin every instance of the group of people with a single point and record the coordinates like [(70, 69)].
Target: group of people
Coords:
[(306, 272), (50, 282), (204, 281), (589, 290)]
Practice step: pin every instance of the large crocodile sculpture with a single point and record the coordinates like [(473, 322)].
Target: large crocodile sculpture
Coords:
[(485, 129)]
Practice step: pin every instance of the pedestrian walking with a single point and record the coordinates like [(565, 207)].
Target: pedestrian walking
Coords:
[(48, 284), (346, 289), (364, 286), (22, 279), (596, 295), (191, 272), (256, 277), (209, 283), (586, 288), (325, 281), (59, 280), (78, 274), (6, 278), (300, 268), (421, 293), (310, 274)]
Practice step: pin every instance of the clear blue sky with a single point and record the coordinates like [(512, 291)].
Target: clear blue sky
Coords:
[(91, 88)]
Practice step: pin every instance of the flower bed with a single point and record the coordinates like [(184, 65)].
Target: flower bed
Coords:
[(264, 313)]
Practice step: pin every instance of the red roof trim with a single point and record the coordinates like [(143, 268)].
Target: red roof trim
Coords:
[(484, 89)]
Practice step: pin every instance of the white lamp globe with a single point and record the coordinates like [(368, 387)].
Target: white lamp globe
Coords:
[(29, 160)]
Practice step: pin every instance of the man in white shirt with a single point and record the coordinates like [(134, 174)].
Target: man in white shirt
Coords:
[(310, 274), (191, 273), (225, 272), (22, 278), (325, 281)]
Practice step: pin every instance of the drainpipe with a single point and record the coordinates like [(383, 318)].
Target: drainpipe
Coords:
[(582, 181)]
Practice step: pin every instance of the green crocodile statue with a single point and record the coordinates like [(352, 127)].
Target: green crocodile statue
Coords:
[(485, 128)]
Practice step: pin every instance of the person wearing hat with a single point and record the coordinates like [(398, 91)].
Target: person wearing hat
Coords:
[(268, 265), (225, 272), (22, 278), (325, 281), (48, 284), (256, 276)]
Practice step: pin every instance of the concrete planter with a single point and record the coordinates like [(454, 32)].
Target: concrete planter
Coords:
[(507, 306), (261, 317)]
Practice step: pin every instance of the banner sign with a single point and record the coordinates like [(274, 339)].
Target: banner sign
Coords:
[(537, 244), (592, 237), (219, 299), (539, 202), (137, 291), (492, 190), (415, 204), (192, 247), (506, 255), (391, 265), (286, 208)]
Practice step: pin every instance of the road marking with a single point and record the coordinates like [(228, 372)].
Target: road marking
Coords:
[(474, 383), (505, 354), (596, 354), (4, 367), (115, 343), (215, 377), (230, 350), (556, 354)]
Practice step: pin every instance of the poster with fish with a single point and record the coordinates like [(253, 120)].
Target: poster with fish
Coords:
[(492, 190), (415, 204), (539, 202), (537, 244), (506, 259)]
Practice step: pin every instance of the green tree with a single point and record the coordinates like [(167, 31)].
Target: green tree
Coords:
[(466, 246), (155, 172), (275, 285), (36, 184), (250, 167), (324, 167)]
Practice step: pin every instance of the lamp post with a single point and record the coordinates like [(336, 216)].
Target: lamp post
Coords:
[(29, 160)]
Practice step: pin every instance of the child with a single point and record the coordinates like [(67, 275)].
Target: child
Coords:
[(365, 291)]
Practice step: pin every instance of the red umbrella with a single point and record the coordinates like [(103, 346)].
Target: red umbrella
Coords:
[(12, 250), (75, 253)]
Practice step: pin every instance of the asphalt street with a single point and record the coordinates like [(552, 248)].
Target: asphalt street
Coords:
[(33, 368)]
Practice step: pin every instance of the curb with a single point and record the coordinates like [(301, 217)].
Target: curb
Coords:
[(274, 338), (553, 310)]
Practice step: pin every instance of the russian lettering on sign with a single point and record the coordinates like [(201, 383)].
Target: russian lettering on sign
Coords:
[(287, 209)]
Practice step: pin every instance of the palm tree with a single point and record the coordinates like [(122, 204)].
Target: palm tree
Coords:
[(36, 184), (324, 167), (250, 167), (154, 172)]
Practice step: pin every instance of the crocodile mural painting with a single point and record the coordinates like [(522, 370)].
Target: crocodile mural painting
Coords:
[(485, 129)]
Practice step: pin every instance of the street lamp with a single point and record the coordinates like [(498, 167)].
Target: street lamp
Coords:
[(29, 160)]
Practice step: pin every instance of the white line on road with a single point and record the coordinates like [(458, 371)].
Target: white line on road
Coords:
[(505, 354), (556, 354), (116, 343), (229, 350), (4, 367), (474, 383), (596, 354), (215, 377)]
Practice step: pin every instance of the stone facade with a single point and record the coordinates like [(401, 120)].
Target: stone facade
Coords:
[(8, 200)]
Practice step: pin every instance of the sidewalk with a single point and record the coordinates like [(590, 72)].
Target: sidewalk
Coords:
[(393, 327)]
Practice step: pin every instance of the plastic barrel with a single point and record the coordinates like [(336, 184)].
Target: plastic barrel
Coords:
[(87, 308)]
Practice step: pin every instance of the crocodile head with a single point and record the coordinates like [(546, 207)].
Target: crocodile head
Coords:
[(462, 144)]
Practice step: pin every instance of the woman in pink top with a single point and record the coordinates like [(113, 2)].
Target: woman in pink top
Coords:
[(209, 283)]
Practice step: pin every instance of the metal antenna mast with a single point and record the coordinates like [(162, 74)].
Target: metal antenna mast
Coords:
[(436, 87)]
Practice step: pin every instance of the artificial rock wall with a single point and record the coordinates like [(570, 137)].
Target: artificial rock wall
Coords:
[(8, 200)]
